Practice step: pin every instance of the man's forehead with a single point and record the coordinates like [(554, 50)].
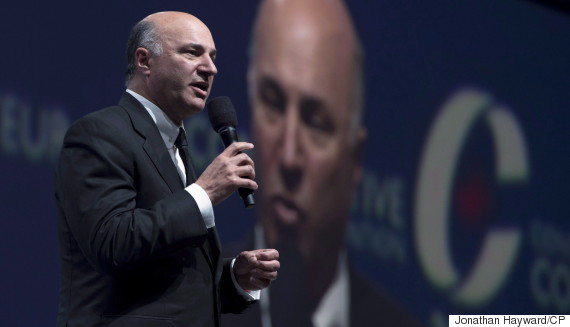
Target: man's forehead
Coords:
[(317, 18), (170, 18), (181, 27), (302, 37), (322, 66)]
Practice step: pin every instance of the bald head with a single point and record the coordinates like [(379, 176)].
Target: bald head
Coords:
[(150, 32), (166, 22), (306, 98), (314, 33), (168, 17), (325, 23), (171, 63)]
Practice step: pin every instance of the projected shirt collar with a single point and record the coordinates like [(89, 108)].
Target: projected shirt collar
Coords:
[(333, 309)]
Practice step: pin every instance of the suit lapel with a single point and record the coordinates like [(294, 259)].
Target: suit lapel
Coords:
[(153, 145), (158, 154), (216, 246)]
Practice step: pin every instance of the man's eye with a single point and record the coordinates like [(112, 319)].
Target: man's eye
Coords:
[(193, 52), (315, 116), (271, 96)]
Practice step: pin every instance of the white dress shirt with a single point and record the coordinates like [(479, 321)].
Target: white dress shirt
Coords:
[(169, 132)]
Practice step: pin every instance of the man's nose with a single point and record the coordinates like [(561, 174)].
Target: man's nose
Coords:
[(208, 66), (291, 151)]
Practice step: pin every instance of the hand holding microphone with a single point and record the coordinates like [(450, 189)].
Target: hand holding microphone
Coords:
[(231, 169)]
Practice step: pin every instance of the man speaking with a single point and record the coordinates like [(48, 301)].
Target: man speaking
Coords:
[(138, 240), (306, 85)]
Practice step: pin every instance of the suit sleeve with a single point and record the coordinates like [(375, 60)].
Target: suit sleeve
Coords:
[(97, 191), (232, 300)]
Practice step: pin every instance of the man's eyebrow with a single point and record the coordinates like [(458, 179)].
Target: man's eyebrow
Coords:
[(269, 80), (314, 103), (315, 99), (273, 83), (201, 48)]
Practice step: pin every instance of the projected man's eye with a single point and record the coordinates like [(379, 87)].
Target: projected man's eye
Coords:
[(271, 95), (314, 115)]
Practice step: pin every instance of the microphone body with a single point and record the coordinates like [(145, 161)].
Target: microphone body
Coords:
[(223, 119), (229, 136)]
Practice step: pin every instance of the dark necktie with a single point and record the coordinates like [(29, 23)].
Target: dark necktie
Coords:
[(182, 146)]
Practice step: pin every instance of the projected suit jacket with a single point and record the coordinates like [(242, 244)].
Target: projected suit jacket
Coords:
[(134, 248), (368, 306)]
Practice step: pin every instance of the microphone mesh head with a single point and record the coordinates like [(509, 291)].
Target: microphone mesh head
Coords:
[(221, 113)]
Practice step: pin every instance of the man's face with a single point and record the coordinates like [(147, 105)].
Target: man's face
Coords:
[(307, 165), (181, 77)]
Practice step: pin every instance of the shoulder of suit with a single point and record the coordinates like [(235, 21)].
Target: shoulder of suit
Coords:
[(111, 116), (113, 112), (110, 121), (370, 303), (109, 113)]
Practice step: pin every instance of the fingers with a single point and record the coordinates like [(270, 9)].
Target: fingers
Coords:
[(245, 171), (264, 274), (266, 254), (256, 269), (245, 167), (263, 260), (246, 183), (242, 159), (270, 266), (249, 257), (227, 172), (238, 147), (261, 278)]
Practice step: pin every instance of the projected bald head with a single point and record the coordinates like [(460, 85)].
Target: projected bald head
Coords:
[(306, 94)]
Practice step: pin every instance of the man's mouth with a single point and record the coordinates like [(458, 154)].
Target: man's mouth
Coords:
[(286, 211), (201, 89)]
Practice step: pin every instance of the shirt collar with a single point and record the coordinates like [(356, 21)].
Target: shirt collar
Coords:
[(333, 308), (168, 130)]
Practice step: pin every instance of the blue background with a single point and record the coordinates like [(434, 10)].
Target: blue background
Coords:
[(61, 60)]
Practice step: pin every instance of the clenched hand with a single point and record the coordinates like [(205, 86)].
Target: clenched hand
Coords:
[(254, 270)]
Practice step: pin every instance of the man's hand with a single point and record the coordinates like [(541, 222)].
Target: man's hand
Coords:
[(228, 172), (254, 270)]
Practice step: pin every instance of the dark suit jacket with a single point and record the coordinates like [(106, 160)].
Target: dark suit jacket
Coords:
[(134, 248)]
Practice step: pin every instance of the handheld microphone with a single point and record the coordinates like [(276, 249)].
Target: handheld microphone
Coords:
[(224, 121)]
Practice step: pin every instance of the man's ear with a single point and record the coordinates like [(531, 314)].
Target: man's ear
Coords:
[(142, 60)]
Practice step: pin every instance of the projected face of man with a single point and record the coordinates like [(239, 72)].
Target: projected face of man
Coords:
[(302, 90)]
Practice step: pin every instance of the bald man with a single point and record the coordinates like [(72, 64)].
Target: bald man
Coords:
[(138, 240), (306, 94)]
